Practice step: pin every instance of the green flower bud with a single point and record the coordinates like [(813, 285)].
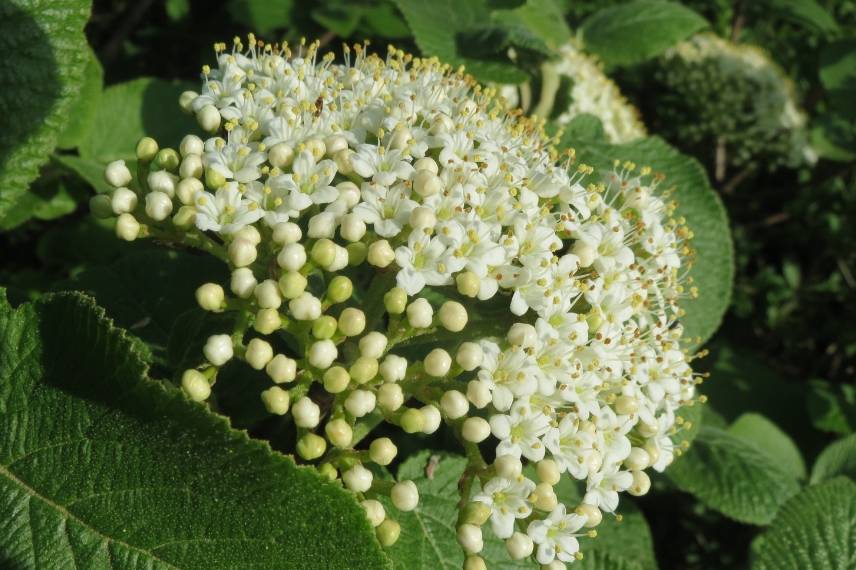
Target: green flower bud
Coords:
[(475, 513), (357, 253), (412, 421), (214, 179), (168, 159), (147, 149), (276, 400), (395, 301), (340, 289), (363, 369), (323, 252), (388, 532), (311, 446), (336, 379), (324, 327), (292, 284), (328, 471)]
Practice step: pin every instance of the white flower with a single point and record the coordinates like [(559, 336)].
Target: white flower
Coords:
[(508, 500), (556, 535), (225, 211), (520, 432)]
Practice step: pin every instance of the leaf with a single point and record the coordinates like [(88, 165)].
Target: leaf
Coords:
[(815, 530), (340, 18), (832, 407), (82, 112), (632, 32), (543, 18), (261, 16), (713, 271), (46, 200), (838, 75), (807, 13), (88, 170), (584, 126), (833, 137), (494, 40), (101, 467), (839, 458), (129, 111), (755, 428), (45, 53), (733, 477)]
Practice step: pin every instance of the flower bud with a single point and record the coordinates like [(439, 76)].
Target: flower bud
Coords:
[(626, 405), (267, 321), (323, 252), (352, 321), (147, 149), (127, 227), (267, 294), (388, 531), (478, 392), (324, 327), (374, 511), (584, 252), (218, 349), (185, 217), (428, 164), (426, 183), (422, 218), (381, 254), (508, 466), (306, 413), (214, 179), (474, 562), (334, 144), (305, 307), (454, 404), (186, 99), (641, 484), (475, 429), (390, 397), (523, 335), (340, 289), (395, 300), (322, 225), (280, 155), (470, 356), (470, 538), (393, 368), (276, 400), (316, 148), (292, 257), (158, 206), (167, 159), (468, 283), (195, 385), (311, 446), (405, 496), (373, 344), (187, 189), (382, 451), (638, 459), (358, 479), (653, 452), (544, 497), (123, 201), (432, 418), (360, 403), (286, 232), (453, 316), (343, 161), (208, 118), (191, 167), (191, 145), (242, 253), (101, 206), (352, 228), (592, 514), (519, 546), (243, 282), (259, 353), (292, 284), (420, 314), (327, 471), (162, 181), (476, 513), (117, 174), (336, 379), (281, 369), (412, 420), (548, 472), (349, 192), (363, 369), (339, 432), (437, 363), (210, 297), (249, 233), (322, 353)]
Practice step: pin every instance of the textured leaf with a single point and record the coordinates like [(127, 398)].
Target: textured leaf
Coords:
[(542, 17), (632, 32), (757, 429), (839, 458), (82, 112), (88, 170), (101, 467), (805, 12), (733, 477), (816, 530)]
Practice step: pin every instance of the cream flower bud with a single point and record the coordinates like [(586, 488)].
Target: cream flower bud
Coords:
[(243, 282), (592, 514), (267, 321), (395, 301), (478, 392), (388, 532), (584, 252), (626, 405), (287, 232), (185, 217), (373, 344), (292, 257), (523, 335), (191, 167), (437, 363), (101, 207), (249, 233), (352, 228), (281, 369), (544, 497), (470, 538), (508, 466), (343, 161), (123, 201), (267, 294), (393, 368), (548, 472), (469, 356), (405, 496), (292, 284), (360, 403), (352, 321), (468, 283), (322, 354), (382, 451), (340, 259), (210, 297), (358, 479), (259, 353), (363, 369), (381, 254), (218, 349), (519, 546), (163, 181), (311, 446), (390, 397), (322, 225), (475, 429), (187, 189), (186, 99), (306, 413), (412, 420), (117, 174), (127, 227), (349, 193), (242, 252), (280, 155), (638, 459), (336, 379), (208, 118), (426, 183), (158, 206), (276, 400), (453, 316), (420, 314), (474, 562), (432, 418), (375, 512), (335, 143), (400, 138), (454, 404), (339, 432), (428, 164), (191, 145), (195, 385), (305, 307), (641, 484), (422, 218)]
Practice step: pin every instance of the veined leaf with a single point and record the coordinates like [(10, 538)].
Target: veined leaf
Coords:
[(839, 458)]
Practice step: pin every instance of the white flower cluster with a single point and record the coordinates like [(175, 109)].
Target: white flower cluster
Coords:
[(363, 204), (577, 82)]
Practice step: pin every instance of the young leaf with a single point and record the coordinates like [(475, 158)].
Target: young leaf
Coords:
[(839, 458), (757, 429), (102, 467)]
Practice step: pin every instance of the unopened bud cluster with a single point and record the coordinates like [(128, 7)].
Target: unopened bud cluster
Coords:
[(363, 205)]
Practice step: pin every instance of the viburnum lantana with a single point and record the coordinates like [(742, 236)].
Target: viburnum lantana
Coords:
[(364, 204)]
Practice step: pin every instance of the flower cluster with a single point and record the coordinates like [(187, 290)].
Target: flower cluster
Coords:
[(574, 84), (365, 205)]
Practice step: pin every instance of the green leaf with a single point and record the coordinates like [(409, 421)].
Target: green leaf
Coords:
[(838, 75), (632, 32), (82, 112), (129, 111), (340, 18), (839, 458), (584, 126), (46, 200), (88, 170), (832, 407), (713, 271), (757, 429), (815, 530), (101, 467), (833, 137), (383, 21), (45, 54), (807, 13), (261, 16), (543, 18), (733, 476), (493, 40)]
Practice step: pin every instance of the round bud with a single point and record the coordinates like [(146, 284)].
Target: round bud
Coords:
[(468, 283), (412, 420), (352, 228), (162, 181), (476, 513), (470, 538), (626, 405), (395, 300), (281, 369), (405, 496), (334, 144), (428, 164), (363, 369), (382, 451), (340, 259), (388, 532), (306, 413), (187, 189), (544, 497), (638, 459), (437, 363), (469, 356), (349, 192), (267, 294), (343, 161), (390, 397), (653, 452), (259, 353), (218, 349), (280, 155), (292, 257), (117, 174), (454, 404), (381, 254), (185, 217), (584, 252), (400, 137), (432, 418), (324, 327), (453, 316), (393, 368), (328, 471), (195, 385), (322, 353), (374, 511), (186, 99), (191, 145), (592, 514), (242, 253), (373, 344), (311, 446), (474, 562), (147, 149), (478, 392), (522, 334), (286, 232), (641, 484), (519, 546), (426, 183), (249, 233), (305, 307), (420, 314), (243, 282), (267, 321), (323, 252), (422, 218), (358, 479), (508, 466), (352, 321), (191, 167), (340, 289), (292, 284), (210, 297), (101, 206), (275, 400), (548, 472), (208, 118), (167, 159), (339, 432), (214, 179), (158, 206), (360, 403), (123, 201), (336, 379), (475, 429)]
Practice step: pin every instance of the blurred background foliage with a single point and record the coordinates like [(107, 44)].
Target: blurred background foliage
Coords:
[(769, 111)]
